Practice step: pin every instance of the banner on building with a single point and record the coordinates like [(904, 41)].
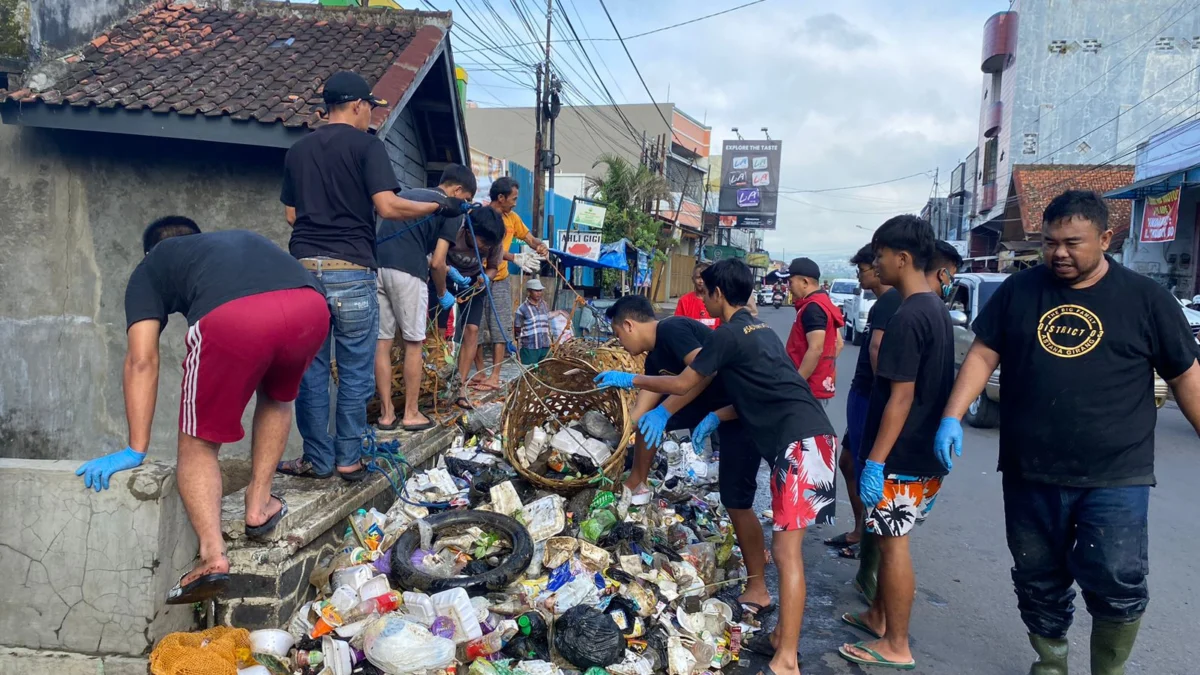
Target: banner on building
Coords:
[(750, 183), (1160, 217), (761, 260), (580, 244), (486, 169), (587, 213), (717, 252)]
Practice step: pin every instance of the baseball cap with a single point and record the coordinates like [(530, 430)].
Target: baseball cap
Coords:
[(346, 86), (534, 285), (802, 267)]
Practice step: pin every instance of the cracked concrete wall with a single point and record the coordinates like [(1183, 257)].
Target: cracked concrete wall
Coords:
[(72, 209), (89, 571)]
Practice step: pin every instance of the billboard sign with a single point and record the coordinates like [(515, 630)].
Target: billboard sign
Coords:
[(1160, 218), (588, 214), (580, 244), (749, 195), (486, 169)]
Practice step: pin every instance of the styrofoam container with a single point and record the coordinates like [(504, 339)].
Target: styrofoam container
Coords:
[(455, 604), (337, 655), (271, 641), (420, 607), (374, 588), (354, 577)]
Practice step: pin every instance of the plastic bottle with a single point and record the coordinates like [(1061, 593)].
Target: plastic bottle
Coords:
[(532, 625), (382, 604), (597, 526), (484, 646)]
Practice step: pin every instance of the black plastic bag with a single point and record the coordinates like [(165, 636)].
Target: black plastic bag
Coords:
[(587, 637)]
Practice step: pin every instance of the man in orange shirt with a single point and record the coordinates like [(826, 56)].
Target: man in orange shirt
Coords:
[(498, 325), (691, 304)]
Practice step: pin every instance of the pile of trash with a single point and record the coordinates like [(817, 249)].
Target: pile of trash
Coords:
[(576, 450), (475, 570)]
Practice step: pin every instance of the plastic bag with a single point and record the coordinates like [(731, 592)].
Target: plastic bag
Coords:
[(587, 637), (398, 647)]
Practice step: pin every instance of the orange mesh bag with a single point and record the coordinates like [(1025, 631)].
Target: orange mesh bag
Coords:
[(209, 652)]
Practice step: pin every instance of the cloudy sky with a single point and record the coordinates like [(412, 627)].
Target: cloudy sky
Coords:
[(859, 91)]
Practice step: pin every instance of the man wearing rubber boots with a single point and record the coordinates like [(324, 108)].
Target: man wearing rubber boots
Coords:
[(255, 321), (670, 345), (1081, 337)]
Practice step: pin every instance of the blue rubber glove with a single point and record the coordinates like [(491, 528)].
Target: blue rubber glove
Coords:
[(703, 430), (457, 278), (97, 472), (447, 300), (614, 378), (949, 436), (652, 425), (870, 484)]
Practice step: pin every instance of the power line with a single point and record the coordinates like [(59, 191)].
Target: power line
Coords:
[(634, 64), (927, 174)]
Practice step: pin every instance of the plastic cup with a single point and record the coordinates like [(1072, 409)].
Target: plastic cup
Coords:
[(271, 641)]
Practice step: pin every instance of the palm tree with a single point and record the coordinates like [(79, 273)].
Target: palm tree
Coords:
[(626, 186)]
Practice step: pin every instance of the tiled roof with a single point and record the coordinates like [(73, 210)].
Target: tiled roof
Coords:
[(266, 64), (1037, 184)]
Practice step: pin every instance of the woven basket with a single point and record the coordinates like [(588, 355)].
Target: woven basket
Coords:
[(533, 401), (608, 355)]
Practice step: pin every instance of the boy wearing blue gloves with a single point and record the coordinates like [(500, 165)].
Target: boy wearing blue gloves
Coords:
[(902, 475), (670, 346)]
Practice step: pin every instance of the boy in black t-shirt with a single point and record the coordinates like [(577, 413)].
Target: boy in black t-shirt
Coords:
[(1080, 337), (670, 346), (788, 426), (902, 475)]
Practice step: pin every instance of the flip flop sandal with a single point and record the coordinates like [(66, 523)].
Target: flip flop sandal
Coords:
[(260, 531), (877, 660), (850, 552), (299, 468), (757, 611), (388, 427), (206, 587), (840, 541), (428, 424), (760, 643), (464, 403), (854, 621)]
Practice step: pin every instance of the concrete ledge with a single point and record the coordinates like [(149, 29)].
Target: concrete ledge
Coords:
[(45, 662)]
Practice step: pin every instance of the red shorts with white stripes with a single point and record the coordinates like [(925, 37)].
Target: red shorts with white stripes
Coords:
[(261, 343)]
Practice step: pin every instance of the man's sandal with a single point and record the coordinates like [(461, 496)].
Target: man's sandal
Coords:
[(875, 660)]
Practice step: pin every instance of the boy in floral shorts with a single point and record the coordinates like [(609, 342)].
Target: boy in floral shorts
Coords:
[(788, 427)]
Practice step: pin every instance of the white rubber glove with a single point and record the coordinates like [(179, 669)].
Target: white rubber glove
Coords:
[(529, 261)]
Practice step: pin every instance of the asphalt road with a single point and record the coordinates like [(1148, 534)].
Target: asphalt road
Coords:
[(965, 618)]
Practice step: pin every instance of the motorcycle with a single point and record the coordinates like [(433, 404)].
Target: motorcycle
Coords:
[(777, 300)]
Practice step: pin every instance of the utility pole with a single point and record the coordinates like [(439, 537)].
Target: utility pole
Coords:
[(542, 200), (537, 159), (550, 160)]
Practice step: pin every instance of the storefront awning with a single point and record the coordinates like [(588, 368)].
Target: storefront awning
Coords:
[(1149, 187)]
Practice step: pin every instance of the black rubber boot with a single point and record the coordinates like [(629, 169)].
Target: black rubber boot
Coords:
[(1111, 644), (1052, 655)]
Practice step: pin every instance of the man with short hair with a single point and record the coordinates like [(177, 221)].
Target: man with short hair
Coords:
[(815, 340), (476, 256), (901, 475), (410, 253), (691, 304), (788, 426), (256, 320), (335, 180), (859, 397), (1080, 338), (532, 324), (497, 327), (670, 346)]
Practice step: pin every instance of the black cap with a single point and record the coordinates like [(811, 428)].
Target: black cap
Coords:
[(346, 86), (802, 267)]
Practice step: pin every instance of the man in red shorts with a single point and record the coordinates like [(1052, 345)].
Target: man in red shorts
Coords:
[(255, 322), (786, 423)]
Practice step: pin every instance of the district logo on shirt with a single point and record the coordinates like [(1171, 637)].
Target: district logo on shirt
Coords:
[(1068, 331)]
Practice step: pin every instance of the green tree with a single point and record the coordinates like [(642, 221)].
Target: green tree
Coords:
[(627, 191)]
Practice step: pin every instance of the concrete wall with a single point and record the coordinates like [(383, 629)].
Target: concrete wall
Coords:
[(32, 28), (72, 209)]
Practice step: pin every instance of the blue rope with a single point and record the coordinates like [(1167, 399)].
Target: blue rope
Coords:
[(400, 232), (509, 345), (389, 452)]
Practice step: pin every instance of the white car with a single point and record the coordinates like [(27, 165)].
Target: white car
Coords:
[(842, 290), (856, 310)]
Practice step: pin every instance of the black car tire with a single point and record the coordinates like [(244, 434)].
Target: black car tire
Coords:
[(406, 577), (983, 413)]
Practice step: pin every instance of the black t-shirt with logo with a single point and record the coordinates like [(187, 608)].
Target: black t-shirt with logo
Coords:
[(329, 177), (772, 400), (917, 347), (1077, 374), (675, 338), (197, 273), (877, 319), (409, 250)]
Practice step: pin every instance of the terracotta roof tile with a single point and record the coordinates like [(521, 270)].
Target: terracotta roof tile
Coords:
[(1037, 184), (196, 59)]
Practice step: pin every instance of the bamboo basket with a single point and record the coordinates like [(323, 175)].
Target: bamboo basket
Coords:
[(531, 403), (608, 355)]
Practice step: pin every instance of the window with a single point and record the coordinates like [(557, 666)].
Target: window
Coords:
[(1058, 46), (961, 300), (986, 290), (997, 85), (1029, 144), (1091, 45), (990, 150), (843, 287)]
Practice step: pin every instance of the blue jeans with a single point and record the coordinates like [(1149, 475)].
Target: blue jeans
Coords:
[(1096, 537), (354, 311)]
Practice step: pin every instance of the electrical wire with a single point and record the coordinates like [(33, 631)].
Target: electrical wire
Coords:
[(928, 174), (634, 64)]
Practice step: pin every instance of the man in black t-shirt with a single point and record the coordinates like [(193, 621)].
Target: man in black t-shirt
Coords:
[(255, 321), (788, 426), (901, 475), (1080, 337), (670, 346), (410, 252), (334, 181)]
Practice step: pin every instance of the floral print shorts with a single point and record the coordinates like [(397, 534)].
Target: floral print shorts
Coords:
[(906, 502)]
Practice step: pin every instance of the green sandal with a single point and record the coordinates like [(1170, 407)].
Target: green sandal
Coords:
[(855, 621), (877, 660)]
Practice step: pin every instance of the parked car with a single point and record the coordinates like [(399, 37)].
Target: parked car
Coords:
[(764, 296), (856, 310), (970, 293), (1192, 316), (841, 290)]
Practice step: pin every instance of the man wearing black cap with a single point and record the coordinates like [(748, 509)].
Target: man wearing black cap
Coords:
[(335, 180), (815, 339)]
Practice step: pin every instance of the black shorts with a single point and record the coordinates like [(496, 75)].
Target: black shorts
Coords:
[(739, 459), (470, 313)]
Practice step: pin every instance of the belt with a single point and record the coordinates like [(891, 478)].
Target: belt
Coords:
[(328, 264)]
